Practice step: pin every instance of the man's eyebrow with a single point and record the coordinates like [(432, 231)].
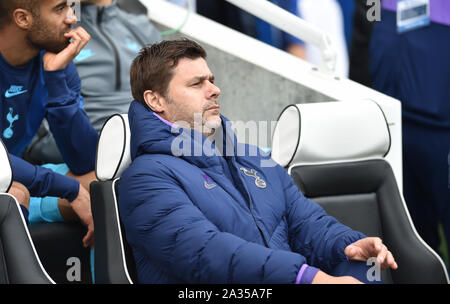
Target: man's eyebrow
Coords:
[(62, 4), (202, 78)]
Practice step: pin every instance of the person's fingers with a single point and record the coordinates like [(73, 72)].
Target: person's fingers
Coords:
[(354, 252), (84, 36), (377, 244), (390, 261), (88, 240), (72, 49), (76, 40), (83, 33), (80, 39), (381, 256), (72, 34), (350, 251), (377, 248)]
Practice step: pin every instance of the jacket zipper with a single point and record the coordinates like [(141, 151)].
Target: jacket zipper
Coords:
[(115, 51), (249, 205)]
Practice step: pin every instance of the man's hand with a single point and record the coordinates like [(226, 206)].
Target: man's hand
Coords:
[(323, 278), (369, 247), (21, 193), (82, 207), (54, 62)]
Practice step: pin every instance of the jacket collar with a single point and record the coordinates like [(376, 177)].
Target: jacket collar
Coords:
[(150, 135)]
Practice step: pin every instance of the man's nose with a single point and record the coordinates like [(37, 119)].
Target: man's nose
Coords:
[(71, 17), (214, 91)]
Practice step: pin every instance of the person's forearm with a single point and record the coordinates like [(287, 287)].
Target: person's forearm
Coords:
[(73, 132), (59, 93), (74, 136), (42, 182)]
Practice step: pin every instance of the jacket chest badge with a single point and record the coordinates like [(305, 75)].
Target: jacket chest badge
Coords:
[(259, 182), (208, 182)]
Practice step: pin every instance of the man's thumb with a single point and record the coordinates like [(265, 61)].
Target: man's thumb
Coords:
[(350, 251)]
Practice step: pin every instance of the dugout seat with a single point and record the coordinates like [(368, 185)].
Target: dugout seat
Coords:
[(114, 262), (335, 152)]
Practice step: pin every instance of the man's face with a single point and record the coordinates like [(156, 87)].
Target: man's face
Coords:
[(52, 20), (192, 94)]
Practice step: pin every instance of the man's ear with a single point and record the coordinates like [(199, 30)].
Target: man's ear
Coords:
[(22, 18), (154, 101)]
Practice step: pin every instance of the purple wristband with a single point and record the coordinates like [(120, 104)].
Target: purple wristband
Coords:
[(306, 274)]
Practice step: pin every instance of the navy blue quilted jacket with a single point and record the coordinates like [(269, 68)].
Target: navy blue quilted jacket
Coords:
[(218, 219)]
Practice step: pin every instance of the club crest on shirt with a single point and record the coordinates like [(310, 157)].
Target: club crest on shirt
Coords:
[(208, 182), (9, 132), (259, 182)]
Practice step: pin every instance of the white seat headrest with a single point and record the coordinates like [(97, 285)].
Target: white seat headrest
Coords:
[(6, 175), (113, 150), (328, 132)]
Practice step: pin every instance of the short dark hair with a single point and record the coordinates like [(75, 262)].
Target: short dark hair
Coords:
[(153, 68), (7, 7)]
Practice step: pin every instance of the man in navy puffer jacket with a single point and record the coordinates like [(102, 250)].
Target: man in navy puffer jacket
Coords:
[(195, 211)]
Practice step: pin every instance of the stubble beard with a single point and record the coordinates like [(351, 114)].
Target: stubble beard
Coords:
[(40, 37)]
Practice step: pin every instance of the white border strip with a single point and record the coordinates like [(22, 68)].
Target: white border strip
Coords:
[(122, 249)]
